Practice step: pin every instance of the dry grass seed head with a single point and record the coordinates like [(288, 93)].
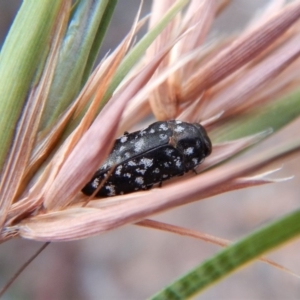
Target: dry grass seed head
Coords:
[(58, 187)]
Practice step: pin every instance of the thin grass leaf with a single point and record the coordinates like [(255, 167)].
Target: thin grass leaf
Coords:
[(242, 51), (79, 41), (34, 34), (22, 107), (233, 258), (108, 10), (271, 116), (148, 223), (243, 92), (139, 49)]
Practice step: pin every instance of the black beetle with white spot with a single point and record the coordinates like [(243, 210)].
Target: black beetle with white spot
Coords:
[(143, 158)]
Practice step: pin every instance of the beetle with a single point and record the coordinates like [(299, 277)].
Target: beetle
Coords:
[(143, 158)]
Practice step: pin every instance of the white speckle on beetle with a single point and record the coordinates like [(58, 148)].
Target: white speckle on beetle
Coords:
[(95, 183), (138, 146), (104, 166), (131, 163), (118, 170), (111, 190), (178, 162), (147, 162), (169, 152), (134, 158), (189, 151), (163, 136), (139, 180), (123, 139), (179, 129), (140, 171), (163, 127), (195, 161), (109, 163)]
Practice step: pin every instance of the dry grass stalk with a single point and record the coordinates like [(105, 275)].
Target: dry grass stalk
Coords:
[(204, 237)]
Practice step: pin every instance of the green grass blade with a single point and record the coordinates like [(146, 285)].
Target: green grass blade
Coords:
[(105, 21), (25, 47), (274, 115), (77, 54), (232, 258)]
